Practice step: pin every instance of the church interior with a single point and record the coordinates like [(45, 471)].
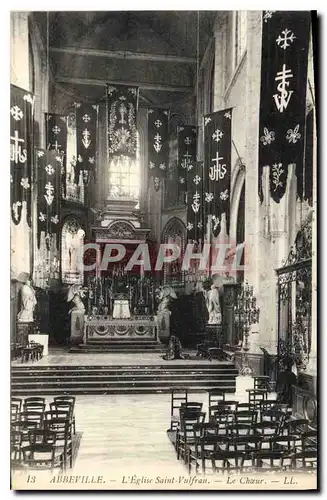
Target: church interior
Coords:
[(163, 244)]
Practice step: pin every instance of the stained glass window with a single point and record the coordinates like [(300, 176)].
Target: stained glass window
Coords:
[(124, 175)]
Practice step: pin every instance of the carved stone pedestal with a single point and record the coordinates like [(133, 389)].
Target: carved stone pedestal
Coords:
[(23, 331), (77, 321)]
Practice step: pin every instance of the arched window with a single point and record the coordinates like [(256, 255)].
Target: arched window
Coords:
[(124, 175), (72, 240)]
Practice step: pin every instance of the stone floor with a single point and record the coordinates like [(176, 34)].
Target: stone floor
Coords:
[(125, 445), (57, 357)]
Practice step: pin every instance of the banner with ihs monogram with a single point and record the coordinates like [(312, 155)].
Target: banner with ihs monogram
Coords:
[(186, 154), (217, 167), (48, 165), (284, 63), (157, 145), (86, 135), (21, 137), (195, 220)]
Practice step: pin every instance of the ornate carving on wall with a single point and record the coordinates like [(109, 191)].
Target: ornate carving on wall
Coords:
[(121, 229)]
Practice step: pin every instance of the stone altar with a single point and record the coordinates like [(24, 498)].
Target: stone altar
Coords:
[(107, 328)]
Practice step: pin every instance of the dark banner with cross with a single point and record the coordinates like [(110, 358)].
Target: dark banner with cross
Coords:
[(284, 63), (158, 145), (56, 139), (217, 167), (48, 165), (86, 135), (122, 102), (195, 218), (21, 157), (186, 154)]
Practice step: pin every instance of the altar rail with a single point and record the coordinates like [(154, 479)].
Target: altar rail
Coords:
[(107, 328)]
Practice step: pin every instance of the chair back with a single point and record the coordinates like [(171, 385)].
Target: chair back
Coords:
[(178, 396), (34, 399), (190, 405), (34, 407), (59, 426), (246, 417), (205, 429), (70, 399), (31, 417), (239, 429), (248, 443), (215, 396), (63, 406), (266, 428), (256, 396), (297, 426)]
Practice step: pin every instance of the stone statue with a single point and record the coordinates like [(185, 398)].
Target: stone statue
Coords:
[(165, 296), (214, 306), (75, 295), (29, 302)]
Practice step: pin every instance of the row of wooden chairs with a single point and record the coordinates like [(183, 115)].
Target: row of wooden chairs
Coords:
[(228, 423), (35, 408)]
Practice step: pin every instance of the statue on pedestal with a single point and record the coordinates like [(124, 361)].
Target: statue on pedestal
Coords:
[(75, 295), (29, 302), (214, 306)]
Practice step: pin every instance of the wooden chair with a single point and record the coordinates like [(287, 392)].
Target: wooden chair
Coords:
[(16, 440), (270, 460), (42, 457), (297, 426), (215, 396), (306, 459), (70, 399), (178, 396), (62, 429), (201, 450), (246, 417), (256, 396), (309, 440), (244, 407), (239, 430), (185, 432), (238, 461), (266, 430), (262, 382), (64, 406), (17, 402), (32, 406)]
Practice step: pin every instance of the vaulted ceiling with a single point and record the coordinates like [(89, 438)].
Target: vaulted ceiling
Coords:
[(158, 51)]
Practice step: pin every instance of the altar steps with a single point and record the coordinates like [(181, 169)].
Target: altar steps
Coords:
[(119, 346), (51, 380)]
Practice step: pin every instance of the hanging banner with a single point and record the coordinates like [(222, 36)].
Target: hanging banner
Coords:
[(48, 165), (21, 143), (86, 134), (158, 148), (56, 132), (195, 221), (284, 62), (186, 154), (217, 167), (122, 102), (56, 137)]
